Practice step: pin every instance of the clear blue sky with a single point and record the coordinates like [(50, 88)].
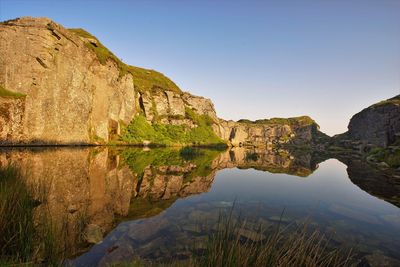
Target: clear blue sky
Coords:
[(254, 59)]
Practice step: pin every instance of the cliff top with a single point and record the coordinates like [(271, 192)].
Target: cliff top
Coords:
[(144, 79), (391, 101), (298, 121)]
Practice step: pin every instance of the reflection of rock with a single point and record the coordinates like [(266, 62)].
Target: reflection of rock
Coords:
[(82, 187), (266, 160), (381, 184), (88, 190)]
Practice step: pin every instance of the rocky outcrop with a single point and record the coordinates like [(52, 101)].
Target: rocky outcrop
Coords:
[(75, 91), (378, 124), (170, 107), (71, 97), (270, 133), (375, 126), (272, 161)]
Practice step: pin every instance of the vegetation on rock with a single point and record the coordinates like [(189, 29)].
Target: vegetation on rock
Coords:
[(144, 79), (295, 121), (9, 94), (140, 131), (391, 101)]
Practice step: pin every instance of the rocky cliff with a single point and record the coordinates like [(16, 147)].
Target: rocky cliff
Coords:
[(63, 86), (70, 97), (378, 125), (375, 126), (271, 132)]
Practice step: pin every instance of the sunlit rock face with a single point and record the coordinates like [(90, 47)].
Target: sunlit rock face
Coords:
[(70, 96), (268, 134)]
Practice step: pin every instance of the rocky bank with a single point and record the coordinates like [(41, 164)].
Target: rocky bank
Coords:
[(62, 86)]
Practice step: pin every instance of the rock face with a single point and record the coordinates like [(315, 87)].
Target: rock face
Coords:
[(378, 125), (77, 92), (375, 126), (269, 134), (70, 96), (170, 107)]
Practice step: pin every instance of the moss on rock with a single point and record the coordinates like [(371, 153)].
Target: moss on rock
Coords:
[(144, 79)]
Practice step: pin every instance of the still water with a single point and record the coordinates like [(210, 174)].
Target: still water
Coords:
[(117, 204)]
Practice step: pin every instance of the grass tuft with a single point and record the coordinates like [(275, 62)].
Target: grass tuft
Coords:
[(9, 94)]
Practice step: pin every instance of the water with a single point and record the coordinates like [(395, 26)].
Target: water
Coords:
[(160, 204)]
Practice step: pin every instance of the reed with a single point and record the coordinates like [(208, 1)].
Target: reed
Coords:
[(27, 238)]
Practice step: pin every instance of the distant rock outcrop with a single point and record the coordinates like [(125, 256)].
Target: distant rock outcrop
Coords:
[(270, 133)]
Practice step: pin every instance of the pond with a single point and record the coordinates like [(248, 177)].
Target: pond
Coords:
[(117, 204)]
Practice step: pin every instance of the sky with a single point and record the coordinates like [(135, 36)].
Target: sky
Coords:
[(254, 59)]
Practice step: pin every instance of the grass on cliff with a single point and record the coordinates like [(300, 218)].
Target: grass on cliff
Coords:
[(9, 94), (391, 101), (140, 130), (295, 121), (144, 79)]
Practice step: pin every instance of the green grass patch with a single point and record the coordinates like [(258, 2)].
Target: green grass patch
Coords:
[(144, 79), (140, 130), (9, 94)]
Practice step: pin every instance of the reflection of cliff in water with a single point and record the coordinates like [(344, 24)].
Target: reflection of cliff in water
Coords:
[(92, 189), (382, 184)]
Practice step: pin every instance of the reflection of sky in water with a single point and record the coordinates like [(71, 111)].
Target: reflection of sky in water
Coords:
[(327, 195), (328, 185)]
